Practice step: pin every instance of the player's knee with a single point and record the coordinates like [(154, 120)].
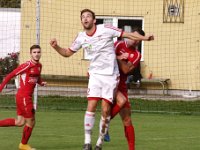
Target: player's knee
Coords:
[(127, 121), (105, 111), (121, 99), (30, 122), (20, 122)]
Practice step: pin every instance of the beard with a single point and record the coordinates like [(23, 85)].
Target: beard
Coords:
[(88, 26)]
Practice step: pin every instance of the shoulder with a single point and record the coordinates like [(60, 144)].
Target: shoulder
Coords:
[(119, 43), (111, 27), (26, 64), (119, 47), (39, 64)]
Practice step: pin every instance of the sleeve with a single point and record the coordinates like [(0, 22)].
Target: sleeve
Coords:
[(115, 32), (76, 44), (118, 48), (22, 68), (40, 81), (39, 78)]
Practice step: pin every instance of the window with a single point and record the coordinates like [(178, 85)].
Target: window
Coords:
[(124, 23), (173, 11)]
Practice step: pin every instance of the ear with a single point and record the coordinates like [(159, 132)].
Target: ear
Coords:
[(94, 21)]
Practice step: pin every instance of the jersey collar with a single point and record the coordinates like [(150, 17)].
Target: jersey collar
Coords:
[(92, 32)]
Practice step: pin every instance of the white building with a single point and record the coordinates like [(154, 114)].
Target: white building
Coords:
[(10, 19)]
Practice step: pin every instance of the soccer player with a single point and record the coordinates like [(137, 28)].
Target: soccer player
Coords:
[(128, 59), (97, 40), (29, 74)]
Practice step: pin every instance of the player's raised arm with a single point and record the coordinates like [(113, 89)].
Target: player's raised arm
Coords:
[(137, 36), (66, 52)]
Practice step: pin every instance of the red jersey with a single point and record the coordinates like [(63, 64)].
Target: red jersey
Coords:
[(29, 75), (134, 57)]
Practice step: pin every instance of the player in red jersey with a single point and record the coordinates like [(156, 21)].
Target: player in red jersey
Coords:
[(29, 74), (128, 58)]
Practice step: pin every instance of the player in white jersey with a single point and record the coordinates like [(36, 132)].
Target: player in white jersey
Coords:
[(97, 40)]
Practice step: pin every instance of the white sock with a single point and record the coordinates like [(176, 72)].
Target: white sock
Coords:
[(103, 128), (88, 125)]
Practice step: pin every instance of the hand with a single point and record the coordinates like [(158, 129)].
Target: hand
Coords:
[(53, 43), (123, 56), (150, 38), (44, 83)]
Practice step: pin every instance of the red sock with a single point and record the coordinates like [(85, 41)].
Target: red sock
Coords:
[(26, 134), (115, 110), (130, 136), (7, 122)]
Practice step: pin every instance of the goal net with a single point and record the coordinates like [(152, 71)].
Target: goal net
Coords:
[(173, 55)]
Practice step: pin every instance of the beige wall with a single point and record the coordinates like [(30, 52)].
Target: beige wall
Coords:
[(174, 54)]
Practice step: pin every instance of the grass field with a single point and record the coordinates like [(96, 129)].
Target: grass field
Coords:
[(63, 130)]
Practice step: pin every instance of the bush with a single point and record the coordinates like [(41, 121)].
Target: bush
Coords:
[(8, 64)]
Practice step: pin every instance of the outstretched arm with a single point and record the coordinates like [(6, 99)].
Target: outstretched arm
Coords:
[(66, 52), (22, 68), (6, 80), (137, 36)]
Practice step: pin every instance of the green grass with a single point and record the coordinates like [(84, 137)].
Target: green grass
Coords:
[(63, 130), (138, 105)]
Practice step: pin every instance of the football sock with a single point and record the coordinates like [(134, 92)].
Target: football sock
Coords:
[(103, 128), (115, 110), (26, 134), (7, 122), (130, 136), (88, 125)]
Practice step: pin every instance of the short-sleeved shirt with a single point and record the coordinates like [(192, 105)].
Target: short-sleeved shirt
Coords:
[(134, 58), (100, 49)]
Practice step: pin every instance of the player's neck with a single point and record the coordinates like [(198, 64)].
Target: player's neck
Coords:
[(90, 32), (34, 61)]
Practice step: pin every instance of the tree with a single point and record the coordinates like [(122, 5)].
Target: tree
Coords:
[(10, 3)]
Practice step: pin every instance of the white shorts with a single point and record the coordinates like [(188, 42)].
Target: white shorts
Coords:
[(102, 87)]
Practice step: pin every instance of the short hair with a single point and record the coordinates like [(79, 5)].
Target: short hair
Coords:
[(88, 10), (139, 30), (34, 47)]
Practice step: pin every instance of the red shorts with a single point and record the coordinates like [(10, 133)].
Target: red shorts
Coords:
[(25, 106)]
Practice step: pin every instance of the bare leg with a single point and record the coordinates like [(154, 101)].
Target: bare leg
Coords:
[(125, 114), (104, 122)]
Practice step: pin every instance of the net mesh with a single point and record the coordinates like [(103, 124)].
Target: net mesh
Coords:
[(174, 54)]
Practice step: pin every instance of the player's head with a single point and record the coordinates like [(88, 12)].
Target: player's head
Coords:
[(35, 52), (134, 43), (88, 19), (138, 30)]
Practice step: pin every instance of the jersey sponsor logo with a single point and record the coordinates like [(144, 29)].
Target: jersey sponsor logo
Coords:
[(33, 80), (87, 47)]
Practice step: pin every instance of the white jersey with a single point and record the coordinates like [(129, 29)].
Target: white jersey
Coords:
[(100, 48)]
